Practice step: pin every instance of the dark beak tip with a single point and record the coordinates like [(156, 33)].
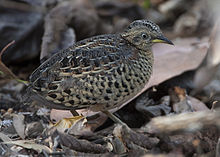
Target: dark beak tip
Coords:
[(162, 39), (167, 41), (170, 43)]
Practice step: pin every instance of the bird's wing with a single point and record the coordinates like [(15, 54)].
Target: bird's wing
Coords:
[(82, 75)]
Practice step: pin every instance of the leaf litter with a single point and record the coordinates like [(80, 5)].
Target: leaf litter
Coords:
[(176, 113)]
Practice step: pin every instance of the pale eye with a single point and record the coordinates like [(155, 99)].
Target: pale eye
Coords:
[(144, 36)]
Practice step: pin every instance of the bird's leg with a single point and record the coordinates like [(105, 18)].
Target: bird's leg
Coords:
[(114, 118)]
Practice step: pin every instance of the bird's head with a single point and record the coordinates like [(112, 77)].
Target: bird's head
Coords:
[(143, 34)]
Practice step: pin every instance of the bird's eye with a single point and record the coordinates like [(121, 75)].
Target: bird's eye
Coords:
[(144, 36)]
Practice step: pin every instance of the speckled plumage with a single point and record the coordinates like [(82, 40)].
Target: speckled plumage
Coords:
[(99, 73)]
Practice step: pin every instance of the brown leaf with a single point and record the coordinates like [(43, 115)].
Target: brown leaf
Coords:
[(171, 61), (93, 122), (130, 137), (80, 128), (79, 145), (76, 123), (57, 115)]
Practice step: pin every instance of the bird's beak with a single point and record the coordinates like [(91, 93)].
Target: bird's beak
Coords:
[(162, 39)]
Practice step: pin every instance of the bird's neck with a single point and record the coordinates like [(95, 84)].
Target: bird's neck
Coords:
[(147, 55)]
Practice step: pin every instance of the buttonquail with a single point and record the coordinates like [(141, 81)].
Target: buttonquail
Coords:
[(98, 73)]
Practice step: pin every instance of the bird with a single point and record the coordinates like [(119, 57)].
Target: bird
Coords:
[(98, 73)]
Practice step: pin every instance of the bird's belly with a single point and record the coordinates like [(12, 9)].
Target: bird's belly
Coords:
[(129, 82), (103, 91)]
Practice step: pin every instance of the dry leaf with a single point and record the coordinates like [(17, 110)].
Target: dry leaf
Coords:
[(129, 137), (4, 137), (29, 144), (57, 115), (18, 123), (196, 104), (78, 144), (116, 145), (66, 123), (80, 128), (34, 129)]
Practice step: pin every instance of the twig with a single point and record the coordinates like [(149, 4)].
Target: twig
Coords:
[(5, 70), (3, 67), (5, 48)]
